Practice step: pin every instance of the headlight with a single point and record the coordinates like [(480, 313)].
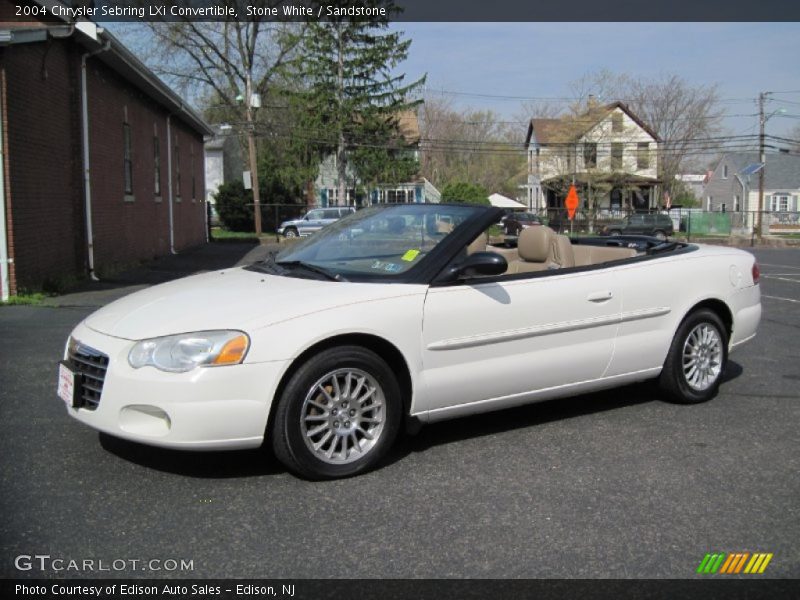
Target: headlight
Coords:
[(184, 352)]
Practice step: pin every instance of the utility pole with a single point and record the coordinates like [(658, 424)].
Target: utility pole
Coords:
[(763, 160), (251, 143)]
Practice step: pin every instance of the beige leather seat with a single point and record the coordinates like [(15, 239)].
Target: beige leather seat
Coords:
[(536, 250), (478, 244), (595, 255), (564, 256)]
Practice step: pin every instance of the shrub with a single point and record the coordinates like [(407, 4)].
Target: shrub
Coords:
[(467, 193), (235, 206)]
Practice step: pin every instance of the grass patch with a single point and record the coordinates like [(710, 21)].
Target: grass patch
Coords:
[(24, 299), (218, 234)]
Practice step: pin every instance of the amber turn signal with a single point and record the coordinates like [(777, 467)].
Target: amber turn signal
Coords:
[(232, 352)]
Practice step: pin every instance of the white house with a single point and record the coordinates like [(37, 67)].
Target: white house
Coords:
[(607, 151), (417, 189)]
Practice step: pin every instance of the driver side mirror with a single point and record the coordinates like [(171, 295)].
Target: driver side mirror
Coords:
[(479, 264)]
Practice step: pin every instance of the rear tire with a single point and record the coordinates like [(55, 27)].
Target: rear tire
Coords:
[(660, 235), (696, 360), (338, 415), (614, 232)]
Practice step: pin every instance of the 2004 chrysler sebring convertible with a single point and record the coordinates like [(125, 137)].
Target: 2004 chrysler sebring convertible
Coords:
[(399, 315)]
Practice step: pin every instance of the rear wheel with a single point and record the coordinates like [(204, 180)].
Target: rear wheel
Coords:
[(338, 415), (696, 360), (660, 235), (614, 232)]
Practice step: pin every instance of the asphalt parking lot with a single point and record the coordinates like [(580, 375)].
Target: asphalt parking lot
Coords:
[(617, 484)]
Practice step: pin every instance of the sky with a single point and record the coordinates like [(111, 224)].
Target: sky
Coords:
[(542, 59)]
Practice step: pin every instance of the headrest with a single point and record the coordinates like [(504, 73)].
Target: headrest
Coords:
[(534, 243)]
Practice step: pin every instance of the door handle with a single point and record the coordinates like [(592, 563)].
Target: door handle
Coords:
[(603, 296)]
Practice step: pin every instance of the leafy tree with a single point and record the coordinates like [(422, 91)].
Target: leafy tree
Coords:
[(352, 96), (464, 192)]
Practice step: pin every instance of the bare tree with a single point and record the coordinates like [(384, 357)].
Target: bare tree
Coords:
[(686, 117), (794, 135), (470, 146)]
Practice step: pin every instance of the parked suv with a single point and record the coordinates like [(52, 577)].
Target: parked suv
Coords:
[(657, 225), (313, 220)]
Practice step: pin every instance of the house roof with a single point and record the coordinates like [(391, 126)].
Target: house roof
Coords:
[(408, 124), (552, 131), (109, 50), (782, 170)]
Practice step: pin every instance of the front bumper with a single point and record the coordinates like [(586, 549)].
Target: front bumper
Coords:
[(204, 409)]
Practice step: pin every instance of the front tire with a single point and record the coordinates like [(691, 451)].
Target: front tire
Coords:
[(290, 233), (696, 360), (660, 235), (338, 415)]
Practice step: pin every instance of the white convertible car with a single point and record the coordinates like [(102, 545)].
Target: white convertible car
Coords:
[(399, 315)]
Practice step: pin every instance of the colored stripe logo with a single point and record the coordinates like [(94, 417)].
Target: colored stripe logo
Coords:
[(734, 563)]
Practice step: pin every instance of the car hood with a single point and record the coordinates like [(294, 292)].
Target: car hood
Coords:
[(231, 299)]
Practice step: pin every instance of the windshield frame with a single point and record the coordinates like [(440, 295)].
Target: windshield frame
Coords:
[(428, 266)]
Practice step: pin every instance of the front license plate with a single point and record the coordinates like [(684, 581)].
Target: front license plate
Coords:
[(67, 387)]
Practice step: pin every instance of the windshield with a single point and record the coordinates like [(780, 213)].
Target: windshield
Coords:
[(379, 241)]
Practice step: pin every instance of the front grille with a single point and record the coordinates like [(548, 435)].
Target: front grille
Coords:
[(92, 365)]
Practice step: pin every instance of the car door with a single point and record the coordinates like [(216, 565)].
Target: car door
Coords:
[(635, 224), (311, 222), (504, 341)]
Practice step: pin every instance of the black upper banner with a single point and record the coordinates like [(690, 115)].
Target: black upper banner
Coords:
[(410, 10)]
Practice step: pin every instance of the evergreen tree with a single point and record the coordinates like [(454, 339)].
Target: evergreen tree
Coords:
[(353, 96)]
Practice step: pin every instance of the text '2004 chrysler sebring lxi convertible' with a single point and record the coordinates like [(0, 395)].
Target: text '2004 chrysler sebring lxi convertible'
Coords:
[(398, 315)]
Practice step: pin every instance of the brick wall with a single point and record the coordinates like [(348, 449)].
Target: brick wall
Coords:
[(130, 227), (43, 200), (46, 193)]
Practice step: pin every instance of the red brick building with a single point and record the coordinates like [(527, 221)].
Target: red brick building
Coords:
[(102, 164)]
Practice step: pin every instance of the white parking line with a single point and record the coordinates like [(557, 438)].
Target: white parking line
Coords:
[(779, 298), (781, 278), (781, 266)]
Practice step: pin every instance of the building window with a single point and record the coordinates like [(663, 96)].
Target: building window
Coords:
[(156, 166), (616, 156), (399, 196), (736, 204), (723, 207), (127, 158), (590, 155), (616, 122), (724, 171), (708, 203), (333, 197), (177, 171), (643, 155), (778, 203)]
